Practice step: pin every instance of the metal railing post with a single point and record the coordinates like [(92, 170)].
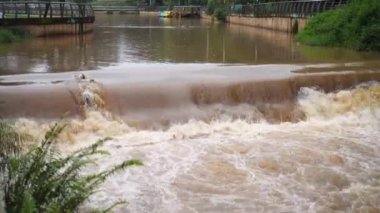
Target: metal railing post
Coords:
[(27, 9), (307, 9), (16, 10), (292, 8), (324, 6), (39, 10), (287, 8), (71, 10), (3, 11)]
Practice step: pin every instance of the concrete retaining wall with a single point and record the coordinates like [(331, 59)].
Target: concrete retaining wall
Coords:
[(150, 13), (290, 25), (118, 12), (55, 29), (302, 22)]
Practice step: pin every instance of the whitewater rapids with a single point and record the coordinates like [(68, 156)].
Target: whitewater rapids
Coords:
[(327, 161)]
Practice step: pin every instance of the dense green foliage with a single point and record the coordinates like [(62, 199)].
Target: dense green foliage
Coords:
[(11, 35), (6, 36), (220, 14), (355, 26), (217, 9), (41, 180)]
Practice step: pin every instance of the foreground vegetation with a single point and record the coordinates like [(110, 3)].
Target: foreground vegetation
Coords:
[(12, 35), (355, 26), (39, 179)]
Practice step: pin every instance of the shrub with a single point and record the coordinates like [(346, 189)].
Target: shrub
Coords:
[(220, 14), (355, 26), (41, 180), (12, 35), (211, 5), (6, 36)]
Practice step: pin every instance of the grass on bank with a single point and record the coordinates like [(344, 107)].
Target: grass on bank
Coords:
[(356, 26), (40, 179)]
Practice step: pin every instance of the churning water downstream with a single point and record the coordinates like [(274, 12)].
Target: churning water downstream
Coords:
[(259, 137)]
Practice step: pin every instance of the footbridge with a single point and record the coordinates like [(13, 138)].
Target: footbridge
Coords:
[(297, 8), (48, 17)]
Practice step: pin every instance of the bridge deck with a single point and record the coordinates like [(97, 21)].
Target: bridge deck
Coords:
[(37, 12)]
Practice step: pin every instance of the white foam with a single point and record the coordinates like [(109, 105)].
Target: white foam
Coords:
[(328, 162)]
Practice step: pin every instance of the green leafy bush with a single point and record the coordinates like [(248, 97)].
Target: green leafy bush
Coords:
[(220, 14), (7, 36), (216, 9), (355, 26), (12, 35), (41, 180)]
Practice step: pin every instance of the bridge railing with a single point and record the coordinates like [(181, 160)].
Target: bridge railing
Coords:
[(115, 8), (40, 9), (288, 8), (129, 8)]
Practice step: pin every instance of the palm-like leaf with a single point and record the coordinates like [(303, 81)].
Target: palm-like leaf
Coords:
[(44, 181)]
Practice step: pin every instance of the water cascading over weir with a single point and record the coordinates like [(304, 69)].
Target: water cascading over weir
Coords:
[(42, 18)]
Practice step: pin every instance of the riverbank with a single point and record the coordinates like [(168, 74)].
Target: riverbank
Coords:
[(356, 27)]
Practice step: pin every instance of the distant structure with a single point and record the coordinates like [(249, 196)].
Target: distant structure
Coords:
[(187, 11)]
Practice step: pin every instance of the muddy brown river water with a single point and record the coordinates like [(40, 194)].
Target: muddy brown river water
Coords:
[(225, 118)]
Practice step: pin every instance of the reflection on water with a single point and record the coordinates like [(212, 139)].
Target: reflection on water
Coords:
[(145, 39)]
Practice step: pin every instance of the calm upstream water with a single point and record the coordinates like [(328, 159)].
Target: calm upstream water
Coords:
[(225, 118), (147, 39)]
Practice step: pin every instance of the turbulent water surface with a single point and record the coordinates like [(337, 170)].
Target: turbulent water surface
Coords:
[(258, 136)]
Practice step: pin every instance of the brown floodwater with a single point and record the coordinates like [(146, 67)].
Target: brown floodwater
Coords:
[(225, 118), (119, 39)]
